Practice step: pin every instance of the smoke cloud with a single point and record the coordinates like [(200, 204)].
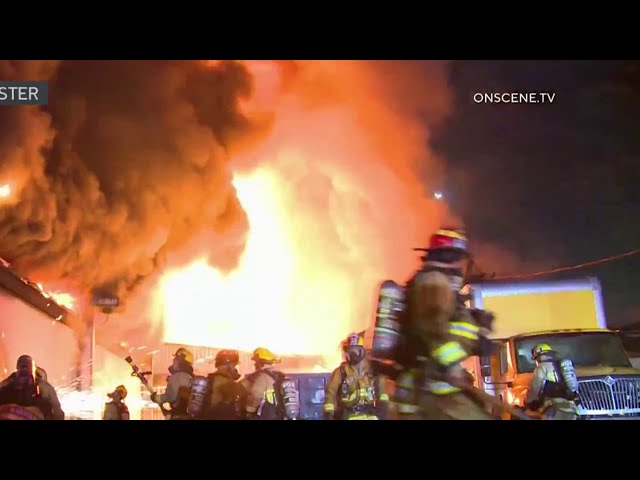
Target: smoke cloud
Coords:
[(127, 162), (129, 171)]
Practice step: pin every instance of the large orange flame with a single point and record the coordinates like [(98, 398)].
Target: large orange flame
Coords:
[(334, 206)]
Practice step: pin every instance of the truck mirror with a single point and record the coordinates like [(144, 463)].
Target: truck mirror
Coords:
[(485, 366)]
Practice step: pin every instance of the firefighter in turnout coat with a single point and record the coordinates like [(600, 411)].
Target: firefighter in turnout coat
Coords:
[(262, 398), (549, 392), (226, 397), (116, 409), (178, 386), (441, 333), (354, 392)]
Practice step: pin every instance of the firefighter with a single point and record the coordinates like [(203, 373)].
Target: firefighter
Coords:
[(551, 393), (178, 386), (116, 409), (49, 393), (262, 398), (226, 397), (28, 387), (441, 332), (354, 392)]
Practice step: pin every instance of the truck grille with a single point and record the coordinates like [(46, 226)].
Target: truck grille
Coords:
[(609, 396)]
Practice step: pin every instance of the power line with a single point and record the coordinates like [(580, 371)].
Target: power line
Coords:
[(572, 267)]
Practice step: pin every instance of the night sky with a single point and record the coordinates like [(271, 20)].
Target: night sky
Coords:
[(554, 183)]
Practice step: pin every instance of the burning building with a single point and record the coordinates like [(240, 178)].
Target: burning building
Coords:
[(227, 203), (33, 323)]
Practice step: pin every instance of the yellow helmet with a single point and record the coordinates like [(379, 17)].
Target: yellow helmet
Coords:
[(354, 340), (183, 352), (120, 388), (539, 350), (41, 374), (264, 355)]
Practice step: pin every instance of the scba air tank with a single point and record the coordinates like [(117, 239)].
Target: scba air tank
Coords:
[(568, 372), (290, 399), (199, 387), (387, 333)]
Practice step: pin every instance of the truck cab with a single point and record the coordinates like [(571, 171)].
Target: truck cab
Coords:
[(567, 314), (609, 387)]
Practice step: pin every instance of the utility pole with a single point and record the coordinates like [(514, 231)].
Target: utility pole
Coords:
[(88, 345)]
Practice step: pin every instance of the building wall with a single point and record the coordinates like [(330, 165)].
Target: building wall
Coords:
[(24, 330), (55, 347)]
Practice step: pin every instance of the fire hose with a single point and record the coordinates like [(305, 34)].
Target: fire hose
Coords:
[(142, 377), (484, 397), (393, 370)]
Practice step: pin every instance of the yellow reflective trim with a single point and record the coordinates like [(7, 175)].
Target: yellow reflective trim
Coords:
[(407, 408), (329, 407), (551, 376), (466, 326), (270, 396), (463, 333), (251, 409), (384, 397), (406, 382), (451, 233), (442, 388), (449, 353), (363, 417)]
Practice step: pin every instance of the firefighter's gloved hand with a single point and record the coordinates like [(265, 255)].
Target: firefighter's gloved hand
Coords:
[(485, 346), (483, 318)]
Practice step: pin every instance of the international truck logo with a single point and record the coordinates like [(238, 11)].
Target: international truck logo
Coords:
[(609, 381)]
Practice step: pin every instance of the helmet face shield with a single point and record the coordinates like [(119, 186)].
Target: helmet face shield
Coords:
[(355, 354)]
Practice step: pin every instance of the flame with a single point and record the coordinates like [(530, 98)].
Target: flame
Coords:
[(64, 299), (247, 307), (334, 205), (5, 190), (7, 194)]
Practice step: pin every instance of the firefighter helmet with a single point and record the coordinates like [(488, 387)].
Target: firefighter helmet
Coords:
[(539, 350), (354, 340), (186, 354), (264, 355), (227, 357), (41, 374), (119, 389), (448, 239), (24, 362)]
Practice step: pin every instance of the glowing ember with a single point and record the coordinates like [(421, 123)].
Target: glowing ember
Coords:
[(5, 191)]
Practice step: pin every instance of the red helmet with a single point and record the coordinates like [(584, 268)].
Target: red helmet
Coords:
[(447, 239), (227, 357)]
